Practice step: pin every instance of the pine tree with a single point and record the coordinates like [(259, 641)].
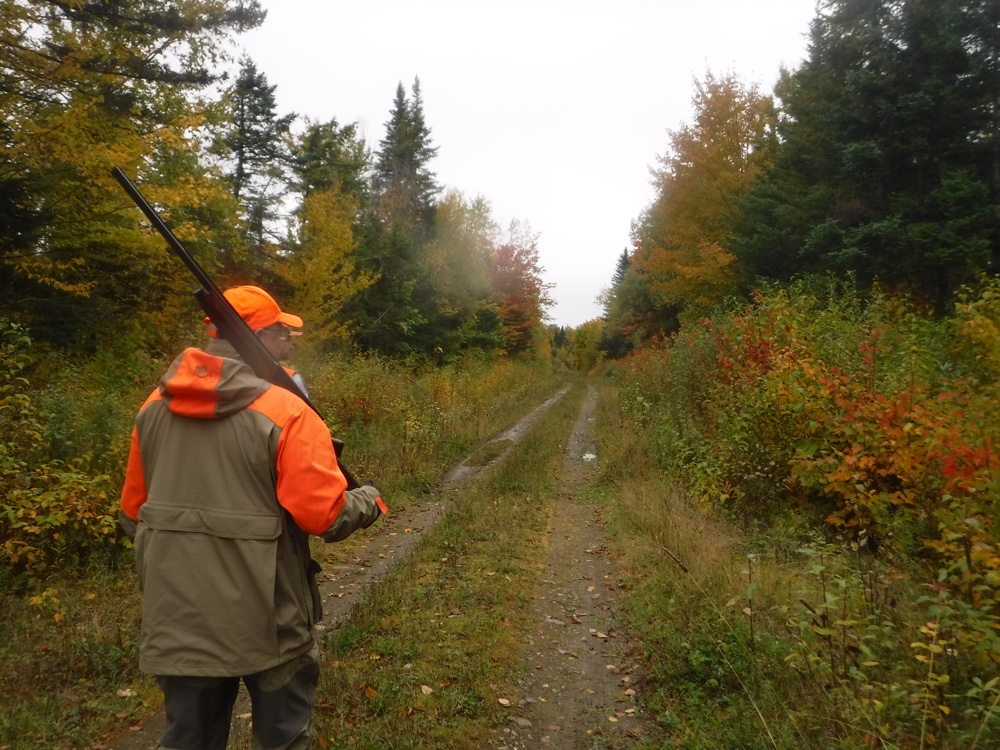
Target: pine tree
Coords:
[(327, 154), (888, 166), (404, 186), (254, 144), (397, 314)]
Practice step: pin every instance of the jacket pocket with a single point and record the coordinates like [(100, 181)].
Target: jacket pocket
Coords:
[(218, 523)]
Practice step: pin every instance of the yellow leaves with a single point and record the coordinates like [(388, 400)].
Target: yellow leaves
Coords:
[(709, 166), (321, 272)]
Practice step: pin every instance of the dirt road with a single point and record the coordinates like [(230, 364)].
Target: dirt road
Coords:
[(579, 667)]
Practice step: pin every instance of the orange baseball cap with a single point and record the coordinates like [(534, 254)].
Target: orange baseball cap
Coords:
[(257, 308)]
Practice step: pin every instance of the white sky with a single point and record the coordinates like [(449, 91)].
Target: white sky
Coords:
[(552, 110)]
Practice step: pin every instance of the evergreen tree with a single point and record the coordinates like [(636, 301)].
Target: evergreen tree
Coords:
[(404, 186), (613, 341), (397, 314), (888, 162), (255, 146), (327, 154)]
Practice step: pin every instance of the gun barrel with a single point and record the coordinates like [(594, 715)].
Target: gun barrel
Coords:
[(224, 315)]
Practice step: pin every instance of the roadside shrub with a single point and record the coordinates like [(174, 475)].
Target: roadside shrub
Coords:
[(409, 421), (877, 418), (53, 513)]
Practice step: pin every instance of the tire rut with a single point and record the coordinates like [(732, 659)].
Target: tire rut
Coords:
[(581, 669)]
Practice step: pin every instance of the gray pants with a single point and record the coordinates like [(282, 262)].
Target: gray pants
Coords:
[(200, 709)]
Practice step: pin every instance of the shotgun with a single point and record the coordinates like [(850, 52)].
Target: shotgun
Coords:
[(231, 326)]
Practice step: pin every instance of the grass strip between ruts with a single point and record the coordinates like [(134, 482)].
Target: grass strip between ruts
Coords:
[(426, 656)]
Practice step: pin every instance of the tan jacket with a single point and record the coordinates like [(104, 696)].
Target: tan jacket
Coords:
[(227, 476)]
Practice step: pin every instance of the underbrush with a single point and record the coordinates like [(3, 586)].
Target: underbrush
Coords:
[(780, 607), (70, 609)]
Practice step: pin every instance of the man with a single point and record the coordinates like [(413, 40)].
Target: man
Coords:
[(257, 308), (227, 476)]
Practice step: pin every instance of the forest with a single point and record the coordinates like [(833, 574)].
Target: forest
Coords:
[(798, 361)]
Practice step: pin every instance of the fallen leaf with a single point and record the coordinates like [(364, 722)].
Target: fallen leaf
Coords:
[(128, 693), (503, 702), (612, 718), (371, 693), (426, 689)]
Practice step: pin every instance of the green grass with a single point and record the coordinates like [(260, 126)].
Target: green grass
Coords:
[(428, 653), (69, 658)]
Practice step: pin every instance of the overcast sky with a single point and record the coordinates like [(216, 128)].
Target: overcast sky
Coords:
[(552, 110)]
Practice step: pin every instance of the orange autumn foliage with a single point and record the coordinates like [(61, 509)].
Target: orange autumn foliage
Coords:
[(708, 167)]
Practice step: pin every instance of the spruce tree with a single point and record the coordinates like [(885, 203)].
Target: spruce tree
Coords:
[(254, 144), (888, 159), (396, 314)]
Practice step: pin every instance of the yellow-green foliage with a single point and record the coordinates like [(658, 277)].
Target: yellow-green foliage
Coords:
[(64, 439), (405, 424), (52, 512), (585, 352)]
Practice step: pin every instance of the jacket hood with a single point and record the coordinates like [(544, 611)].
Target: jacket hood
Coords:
[(210, 384)]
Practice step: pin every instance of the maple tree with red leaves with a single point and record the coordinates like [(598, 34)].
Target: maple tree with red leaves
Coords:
[(516, 281)]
